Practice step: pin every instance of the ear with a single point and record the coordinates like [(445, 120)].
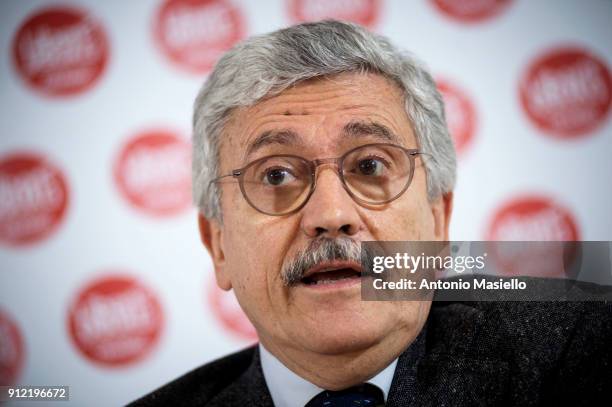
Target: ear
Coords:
[(442, 210), (211, 233)]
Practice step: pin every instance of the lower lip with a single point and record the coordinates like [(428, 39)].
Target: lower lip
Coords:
[(334, 284)]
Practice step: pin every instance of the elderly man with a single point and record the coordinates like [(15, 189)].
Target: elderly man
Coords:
[(308, 141)]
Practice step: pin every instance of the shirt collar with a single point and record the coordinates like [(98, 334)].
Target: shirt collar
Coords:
[(288, 389)]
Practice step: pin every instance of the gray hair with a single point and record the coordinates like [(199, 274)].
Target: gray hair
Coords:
[(267, 64)]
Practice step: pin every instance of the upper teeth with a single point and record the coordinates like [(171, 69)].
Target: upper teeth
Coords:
[(327, 281)]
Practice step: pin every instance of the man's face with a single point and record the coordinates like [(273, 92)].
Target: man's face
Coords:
[(250, 249)]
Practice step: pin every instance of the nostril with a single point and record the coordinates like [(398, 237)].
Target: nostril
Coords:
[(319, 231), (346, 229)]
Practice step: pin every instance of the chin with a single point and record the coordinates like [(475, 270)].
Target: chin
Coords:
[(355, 329), (334, 338)]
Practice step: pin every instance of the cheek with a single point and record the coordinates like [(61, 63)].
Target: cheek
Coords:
[(253, 264), (239, 243), (232, 200), (410, 216), (255, 247), (242, 244)]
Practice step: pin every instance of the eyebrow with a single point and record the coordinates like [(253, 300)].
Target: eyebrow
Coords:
[(361, 128), (283, 137), (353, 129)]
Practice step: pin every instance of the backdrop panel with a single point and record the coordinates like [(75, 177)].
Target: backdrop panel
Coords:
[(104, 284)]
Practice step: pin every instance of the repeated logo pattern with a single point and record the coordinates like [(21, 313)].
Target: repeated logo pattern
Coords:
[(60, 51), (12, 350), (533, 218), (567, 92), (58, 204), (115, 320), (364, 12), (193, 34), (33, 198), (471, 11), (153, 173)]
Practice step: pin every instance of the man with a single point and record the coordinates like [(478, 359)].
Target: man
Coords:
[(308, 141)]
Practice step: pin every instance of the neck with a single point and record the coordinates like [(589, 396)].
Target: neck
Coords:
[(341, 370)]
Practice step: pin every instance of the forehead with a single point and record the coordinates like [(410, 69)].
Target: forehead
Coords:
[(317, 112)]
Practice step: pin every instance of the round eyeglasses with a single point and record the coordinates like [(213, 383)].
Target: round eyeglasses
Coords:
[(372, 174)]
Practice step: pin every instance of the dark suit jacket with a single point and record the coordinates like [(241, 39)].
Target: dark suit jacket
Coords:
[(469, 354)]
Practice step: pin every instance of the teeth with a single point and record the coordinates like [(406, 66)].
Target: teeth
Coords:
[(332, 278), (330, 281)]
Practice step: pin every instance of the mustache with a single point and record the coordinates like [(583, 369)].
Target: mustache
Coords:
[(324, 250)]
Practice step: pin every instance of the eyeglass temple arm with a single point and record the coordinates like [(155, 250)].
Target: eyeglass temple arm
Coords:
[(234, 174), (419, 152)]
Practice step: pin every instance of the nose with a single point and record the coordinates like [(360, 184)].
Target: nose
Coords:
[(330, 211)]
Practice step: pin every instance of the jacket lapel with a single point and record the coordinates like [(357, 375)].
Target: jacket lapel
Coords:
[(249, 390), (443, 367)]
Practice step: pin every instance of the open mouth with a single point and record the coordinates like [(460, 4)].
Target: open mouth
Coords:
[(331, 276)]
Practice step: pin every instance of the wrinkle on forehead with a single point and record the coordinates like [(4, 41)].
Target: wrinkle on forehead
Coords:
[(324, 96)]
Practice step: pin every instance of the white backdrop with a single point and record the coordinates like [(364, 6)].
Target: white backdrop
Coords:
[(104, 285)]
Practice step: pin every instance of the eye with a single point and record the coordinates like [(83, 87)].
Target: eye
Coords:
[(277, 176), (371, 166)]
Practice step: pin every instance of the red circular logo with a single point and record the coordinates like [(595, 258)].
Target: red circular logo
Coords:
[(533, 219), (364, 12), (60, 51), (195, 33), (227, 310), (567, 92), (11, 351), (33, 198), (153, 173), (471, 11), (115, 321), (460, 115)]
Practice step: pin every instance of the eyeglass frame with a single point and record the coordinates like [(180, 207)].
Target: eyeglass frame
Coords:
[(313, 165)]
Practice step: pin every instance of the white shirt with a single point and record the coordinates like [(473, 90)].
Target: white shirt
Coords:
[(290, 390)]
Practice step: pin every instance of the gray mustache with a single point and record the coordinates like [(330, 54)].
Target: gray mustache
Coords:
[(323, 250)]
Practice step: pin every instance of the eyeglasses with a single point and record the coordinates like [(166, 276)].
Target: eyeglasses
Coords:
[(372, 174)]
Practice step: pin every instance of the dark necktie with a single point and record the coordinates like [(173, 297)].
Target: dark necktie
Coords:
[(363, 395)]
